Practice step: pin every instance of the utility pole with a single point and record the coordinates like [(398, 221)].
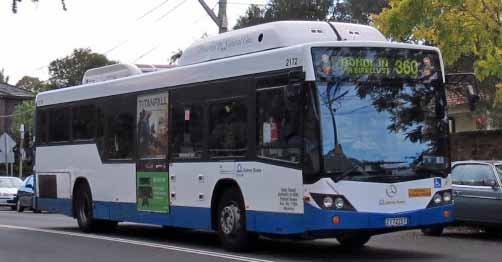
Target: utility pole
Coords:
[(220, 20)]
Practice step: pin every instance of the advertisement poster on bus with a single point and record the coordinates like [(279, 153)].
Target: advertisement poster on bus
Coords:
[(151, 171)]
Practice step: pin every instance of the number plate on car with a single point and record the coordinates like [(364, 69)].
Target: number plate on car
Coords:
[(396, 221)]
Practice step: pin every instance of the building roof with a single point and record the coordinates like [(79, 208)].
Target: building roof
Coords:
[(7, 90)]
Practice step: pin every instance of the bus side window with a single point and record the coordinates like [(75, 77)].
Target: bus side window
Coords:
[(83, 122), (42, 133), (59, 125), (279, 126), (119, 128), (228, 129), (187, 131)]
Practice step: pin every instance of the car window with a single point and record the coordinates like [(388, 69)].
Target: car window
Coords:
[(29, 181), (472, 174), (10, 182)]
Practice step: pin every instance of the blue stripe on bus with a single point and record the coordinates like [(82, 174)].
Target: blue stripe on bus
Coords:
[(313, 219)]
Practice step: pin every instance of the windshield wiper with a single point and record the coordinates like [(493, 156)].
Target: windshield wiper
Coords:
[(349, 172), (428, 170)]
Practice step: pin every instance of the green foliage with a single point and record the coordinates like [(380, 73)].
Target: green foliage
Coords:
[(357, 11), (23, 114), (33, 84), (3, 78), (68, 71), (277, 10), (460, 28)]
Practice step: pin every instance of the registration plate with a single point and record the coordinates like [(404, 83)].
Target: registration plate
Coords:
[(396, 221)]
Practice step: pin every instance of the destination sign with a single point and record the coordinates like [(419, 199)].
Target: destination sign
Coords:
[(379, 63)]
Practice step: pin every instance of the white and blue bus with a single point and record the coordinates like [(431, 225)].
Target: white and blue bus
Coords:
[(291, 129)]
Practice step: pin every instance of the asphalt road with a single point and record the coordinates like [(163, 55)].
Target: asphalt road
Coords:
[(53, 238)]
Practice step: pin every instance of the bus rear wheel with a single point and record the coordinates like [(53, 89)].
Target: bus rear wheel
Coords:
[(353, 241), (231, 219), (83, 209)]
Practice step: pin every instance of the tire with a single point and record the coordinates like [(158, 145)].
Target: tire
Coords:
[(83, 210), (19, 207), (13, 208), (353, 241), (433, 231), (495, 231), (231, 222)]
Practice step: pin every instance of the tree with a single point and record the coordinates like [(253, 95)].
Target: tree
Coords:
[(68, 71), (468, 32), (3, 78), (458, 28), (285, 10), (15, 2), (357, 11), (33, 84)]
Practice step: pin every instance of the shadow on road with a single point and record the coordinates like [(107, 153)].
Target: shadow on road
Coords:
[(319, 250), (473, 233)]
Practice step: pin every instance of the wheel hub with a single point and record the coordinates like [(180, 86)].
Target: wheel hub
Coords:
[(229, 219)]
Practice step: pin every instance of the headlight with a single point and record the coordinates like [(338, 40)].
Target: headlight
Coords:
[(446, 196), (339, 203), (327, 202), (437, 199)]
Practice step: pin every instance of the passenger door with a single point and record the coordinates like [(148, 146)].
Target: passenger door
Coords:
[(476, 199)]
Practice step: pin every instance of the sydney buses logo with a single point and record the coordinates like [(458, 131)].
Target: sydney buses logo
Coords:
[(391, 191)]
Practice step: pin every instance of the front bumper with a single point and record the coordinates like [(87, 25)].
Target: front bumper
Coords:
[(11, 201), (322, 220)]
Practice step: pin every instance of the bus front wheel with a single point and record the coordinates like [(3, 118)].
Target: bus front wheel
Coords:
[(231, 221), (353, 241), (434, 231)]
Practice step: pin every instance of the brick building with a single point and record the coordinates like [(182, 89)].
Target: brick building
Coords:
[(10, 96)]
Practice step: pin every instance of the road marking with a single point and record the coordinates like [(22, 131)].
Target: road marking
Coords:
[(140, 243)]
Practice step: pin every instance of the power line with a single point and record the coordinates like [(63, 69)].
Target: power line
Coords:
[(170, 11), (151, 10), (146, 53)]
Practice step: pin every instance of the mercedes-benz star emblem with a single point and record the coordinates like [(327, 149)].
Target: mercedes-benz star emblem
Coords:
[(391, 191)]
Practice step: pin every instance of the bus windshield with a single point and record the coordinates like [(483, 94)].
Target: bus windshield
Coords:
[(382, 112)]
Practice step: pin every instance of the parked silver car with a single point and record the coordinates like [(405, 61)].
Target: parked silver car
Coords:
[(8, 191), (477, 195)]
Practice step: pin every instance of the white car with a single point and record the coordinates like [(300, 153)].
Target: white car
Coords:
[(8, 191)]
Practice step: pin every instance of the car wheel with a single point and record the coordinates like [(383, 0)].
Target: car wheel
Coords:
[(19, 207), (433, 231), (353, 241), (231, 219), (13, 208)]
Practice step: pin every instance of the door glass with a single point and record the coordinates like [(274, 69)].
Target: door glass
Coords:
[(472, 175), (279, 126), (458, 174)]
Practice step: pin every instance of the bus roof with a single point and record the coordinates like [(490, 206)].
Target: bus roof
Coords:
[(275, 35), (247, 63)]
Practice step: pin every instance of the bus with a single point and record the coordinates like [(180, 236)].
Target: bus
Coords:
[(289, 129)]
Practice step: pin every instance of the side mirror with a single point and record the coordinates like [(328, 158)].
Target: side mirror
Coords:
[(466, 85), (29, 186)]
